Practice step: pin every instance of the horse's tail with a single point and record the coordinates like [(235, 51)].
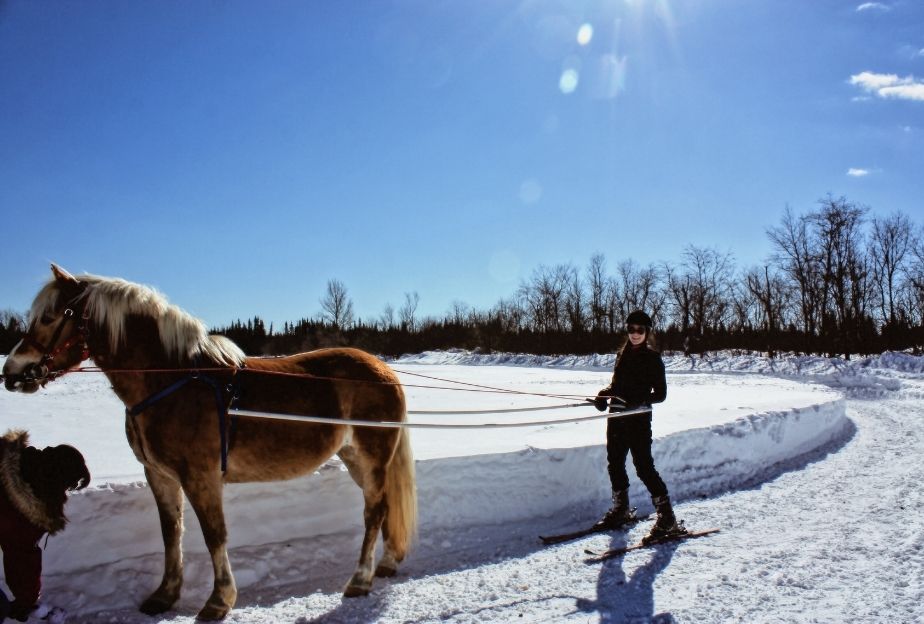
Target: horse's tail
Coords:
[(401, 494)]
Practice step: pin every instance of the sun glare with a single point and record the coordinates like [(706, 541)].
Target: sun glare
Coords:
[(598, 46)]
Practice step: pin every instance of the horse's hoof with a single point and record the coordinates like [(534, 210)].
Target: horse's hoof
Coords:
[(154, 606), (211, 612), (355, 591), (385, 571)]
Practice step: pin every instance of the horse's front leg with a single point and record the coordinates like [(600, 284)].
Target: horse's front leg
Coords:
[(169, 499), (204, 491)]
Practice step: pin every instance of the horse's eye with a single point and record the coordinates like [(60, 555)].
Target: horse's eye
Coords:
[(46, 319)]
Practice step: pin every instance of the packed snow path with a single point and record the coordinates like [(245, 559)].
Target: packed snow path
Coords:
[(836, 536), (837, 541)]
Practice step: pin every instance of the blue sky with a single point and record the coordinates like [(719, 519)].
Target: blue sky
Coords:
[(237, 155)]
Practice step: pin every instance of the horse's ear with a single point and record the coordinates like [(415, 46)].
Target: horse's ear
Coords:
[(61, 275)]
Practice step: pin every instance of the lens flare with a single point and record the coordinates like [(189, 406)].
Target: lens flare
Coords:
[(585, 34), (568, 81)]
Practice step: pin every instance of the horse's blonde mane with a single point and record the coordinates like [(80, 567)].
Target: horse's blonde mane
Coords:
[(109, 301)]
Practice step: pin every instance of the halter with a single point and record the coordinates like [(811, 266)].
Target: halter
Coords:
[(39, 371)]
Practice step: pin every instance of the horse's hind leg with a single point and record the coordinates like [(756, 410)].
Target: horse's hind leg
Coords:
[(400, 523), (204, 491), (388, 564), (169, 499), (372, 481)]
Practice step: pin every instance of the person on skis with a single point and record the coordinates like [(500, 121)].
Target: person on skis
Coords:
[(33, 490), (638, 382)]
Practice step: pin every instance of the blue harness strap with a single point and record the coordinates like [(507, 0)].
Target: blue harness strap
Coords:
[(220, 406), (157, 396)]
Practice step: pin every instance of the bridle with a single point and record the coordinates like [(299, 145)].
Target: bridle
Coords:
[(39, 371)]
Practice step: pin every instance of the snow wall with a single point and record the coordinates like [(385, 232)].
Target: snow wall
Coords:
[(280, 532)]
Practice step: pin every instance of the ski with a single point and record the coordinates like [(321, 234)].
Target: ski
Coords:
[(597, 556), (548, 540)]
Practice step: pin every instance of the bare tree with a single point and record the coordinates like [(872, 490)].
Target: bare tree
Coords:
[(680, 294), (890, 246), (708, 278), (336, 306), (509, 315), (575, 308), (544, 297), (844, 270), (770, 292), (796, 257), (408, 311), (915, 278), (387, 318), (459, 313), (744, 309), (639, 289), (596, 290)]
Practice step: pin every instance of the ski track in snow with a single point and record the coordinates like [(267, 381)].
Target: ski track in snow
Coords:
[(832, 536)]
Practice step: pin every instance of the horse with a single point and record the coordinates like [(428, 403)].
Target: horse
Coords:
[(177, 427)]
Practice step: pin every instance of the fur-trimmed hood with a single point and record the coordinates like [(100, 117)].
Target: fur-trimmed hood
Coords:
[(46, 514)]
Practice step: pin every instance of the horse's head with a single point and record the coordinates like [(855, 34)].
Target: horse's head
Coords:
[(56, 336)]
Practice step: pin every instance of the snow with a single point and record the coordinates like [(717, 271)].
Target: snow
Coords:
[(809, 466)]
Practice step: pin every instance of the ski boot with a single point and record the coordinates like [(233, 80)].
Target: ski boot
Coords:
[(4, 606), (50, 614), (619, 514), (666, 524)]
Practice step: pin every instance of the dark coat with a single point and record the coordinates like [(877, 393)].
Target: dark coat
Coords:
[(32, 496), (638, 378)]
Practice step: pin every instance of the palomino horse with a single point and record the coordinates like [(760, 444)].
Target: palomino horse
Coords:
[(178, 430)]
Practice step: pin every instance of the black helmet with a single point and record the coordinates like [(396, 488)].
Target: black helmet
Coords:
[(639, 318)]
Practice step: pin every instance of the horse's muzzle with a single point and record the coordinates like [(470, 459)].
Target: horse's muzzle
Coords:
[(28, 381)]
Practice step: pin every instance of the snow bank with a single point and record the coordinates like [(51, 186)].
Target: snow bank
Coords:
[(863, 376), (722, 361), (538, 482)]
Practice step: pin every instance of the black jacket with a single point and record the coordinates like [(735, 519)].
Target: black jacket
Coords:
[(638, 378)]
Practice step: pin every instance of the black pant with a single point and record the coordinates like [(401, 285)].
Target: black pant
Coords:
[(632, 433)]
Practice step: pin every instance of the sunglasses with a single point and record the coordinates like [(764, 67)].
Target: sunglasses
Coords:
[(636, 329)]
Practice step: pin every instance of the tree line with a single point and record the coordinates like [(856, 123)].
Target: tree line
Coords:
[(837, 282)]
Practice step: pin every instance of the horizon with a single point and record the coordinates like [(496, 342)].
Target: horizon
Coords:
[(237, 157)]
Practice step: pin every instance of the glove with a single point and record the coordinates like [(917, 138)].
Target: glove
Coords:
[(601, 401), (617, 404)]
